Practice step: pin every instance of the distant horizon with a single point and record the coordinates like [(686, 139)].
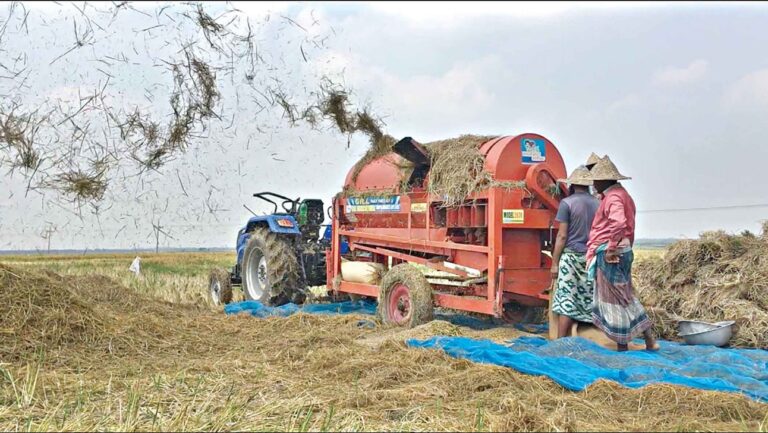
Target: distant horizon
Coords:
[(644, 242)]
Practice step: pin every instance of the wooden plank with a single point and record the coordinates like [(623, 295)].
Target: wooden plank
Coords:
[(414, 259), (359, 288), (464, 303), (358, 234)]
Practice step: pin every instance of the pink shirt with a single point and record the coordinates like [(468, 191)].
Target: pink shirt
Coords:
[(614, 220)]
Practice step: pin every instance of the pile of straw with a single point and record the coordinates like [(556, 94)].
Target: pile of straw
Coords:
[(74, 316), (457, 168), (119, 360), (714, 278)]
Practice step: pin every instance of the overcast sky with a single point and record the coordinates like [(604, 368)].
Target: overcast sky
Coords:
[(676, 94)]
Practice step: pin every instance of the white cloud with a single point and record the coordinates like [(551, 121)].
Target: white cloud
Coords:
[(428, 13), (262, 8), (429, 101), (628, 101), (749, 91), (676, 75)]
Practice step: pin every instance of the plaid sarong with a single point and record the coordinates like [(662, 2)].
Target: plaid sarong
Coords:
[(574, 295), (616, 310)]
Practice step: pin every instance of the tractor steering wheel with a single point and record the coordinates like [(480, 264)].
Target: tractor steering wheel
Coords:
[(292, 207)]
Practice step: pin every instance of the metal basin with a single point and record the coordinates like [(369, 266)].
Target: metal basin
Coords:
[(702, 333), (692, 327)]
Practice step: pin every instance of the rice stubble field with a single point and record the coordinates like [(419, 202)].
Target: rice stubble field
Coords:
[(89, 346)]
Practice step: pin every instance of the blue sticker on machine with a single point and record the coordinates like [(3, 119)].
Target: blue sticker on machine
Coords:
[(533, 150), (374, 204)]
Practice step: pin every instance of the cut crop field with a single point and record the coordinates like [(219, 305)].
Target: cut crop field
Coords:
[(86, 345)]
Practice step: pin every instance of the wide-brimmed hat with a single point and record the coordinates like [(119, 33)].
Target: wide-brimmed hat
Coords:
[(580, 176), (606, 170), (593, 159)]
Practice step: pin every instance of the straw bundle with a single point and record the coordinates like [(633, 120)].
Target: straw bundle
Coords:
[(714, 278)]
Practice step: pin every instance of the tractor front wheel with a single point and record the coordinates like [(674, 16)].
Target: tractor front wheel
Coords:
[(220, 286), (405, 298), (271, 270)]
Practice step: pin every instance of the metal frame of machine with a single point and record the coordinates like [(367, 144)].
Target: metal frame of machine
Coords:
[(492, 245)]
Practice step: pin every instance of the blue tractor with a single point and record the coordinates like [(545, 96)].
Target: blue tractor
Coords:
[(279, 255)]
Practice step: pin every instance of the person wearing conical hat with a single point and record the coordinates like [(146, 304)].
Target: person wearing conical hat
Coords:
[(572, 300), (592, 160), (616, 310)]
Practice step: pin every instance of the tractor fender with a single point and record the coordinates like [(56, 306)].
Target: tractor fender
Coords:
[(273, 223)]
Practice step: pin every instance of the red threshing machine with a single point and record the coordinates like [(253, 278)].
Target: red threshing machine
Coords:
[(491, 248)]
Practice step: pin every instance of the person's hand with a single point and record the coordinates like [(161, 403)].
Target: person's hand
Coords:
[(612, 256), (554, 271)]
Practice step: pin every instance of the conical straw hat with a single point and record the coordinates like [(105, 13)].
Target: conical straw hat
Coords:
[(593, 159), (580, 176), (606, 170)]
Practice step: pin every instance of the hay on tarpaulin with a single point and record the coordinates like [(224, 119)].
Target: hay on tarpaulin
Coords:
[(714, 278)]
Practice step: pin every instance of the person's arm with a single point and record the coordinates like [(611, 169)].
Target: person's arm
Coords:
[(617, 225), (562, 238), (563, 217)]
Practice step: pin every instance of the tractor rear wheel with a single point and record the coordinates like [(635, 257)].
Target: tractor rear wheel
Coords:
[(220, 286), (271, 270), (405, 298)]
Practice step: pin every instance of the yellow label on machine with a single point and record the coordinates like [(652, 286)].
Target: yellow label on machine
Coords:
[(513, 216), (418, 207)]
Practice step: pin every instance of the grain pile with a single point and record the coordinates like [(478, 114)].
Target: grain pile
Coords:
[(714, 278)]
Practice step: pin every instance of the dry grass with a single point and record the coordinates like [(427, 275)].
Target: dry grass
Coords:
[(457, 169), (87, 353), (172, 277), (714, 278)]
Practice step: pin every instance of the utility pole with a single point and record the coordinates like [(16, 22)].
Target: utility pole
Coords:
[(47, 234), (158, 229)]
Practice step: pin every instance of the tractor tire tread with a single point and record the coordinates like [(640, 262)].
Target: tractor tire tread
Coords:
[(225, 284), (282, 267)]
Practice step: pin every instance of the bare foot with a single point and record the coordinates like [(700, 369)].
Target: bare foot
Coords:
[(652, 347), (650, 342)]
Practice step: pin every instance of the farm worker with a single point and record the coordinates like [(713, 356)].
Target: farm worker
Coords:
[(591, 161), (573, 297), (616, 310)]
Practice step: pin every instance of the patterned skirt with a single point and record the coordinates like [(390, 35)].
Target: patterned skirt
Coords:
[(574, 294), (617, 311)]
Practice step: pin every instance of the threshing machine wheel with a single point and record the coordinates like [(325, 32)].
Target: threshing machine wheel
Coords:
[(220, 286), (271, 270), (518, 313), (405, 298)]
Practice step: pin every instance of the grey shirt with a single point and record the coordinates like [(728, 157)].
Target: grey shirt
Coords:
[(578, 210)]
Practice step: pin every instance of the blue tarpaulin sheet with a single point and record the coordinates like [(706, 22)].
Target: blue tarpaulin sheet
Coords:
[(575, 363), (257, 309)]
